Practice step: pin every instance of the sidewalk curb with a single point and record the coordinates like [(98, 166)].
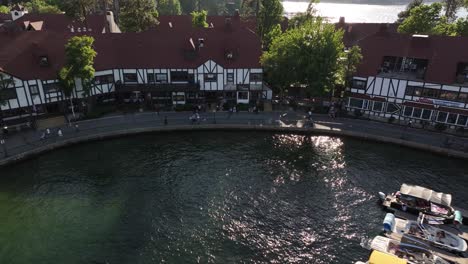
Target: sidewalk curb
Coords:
[(224, 127)]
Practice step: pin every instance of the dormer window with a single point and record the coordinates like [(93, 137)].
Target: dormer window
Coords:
[(43, 61), (201, 42), (16, 13)]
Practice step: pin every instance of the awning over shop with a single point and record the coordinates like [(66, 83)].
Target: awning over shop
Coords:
[(426, 194)]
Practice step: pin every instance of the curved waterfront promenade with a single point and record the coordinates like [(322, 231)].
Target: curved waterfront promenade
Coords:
[(28, 144)]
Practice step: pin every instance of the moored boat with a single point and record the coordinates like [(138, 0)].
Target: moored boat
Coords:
[(419, 230), (416, 199), (413, 254)]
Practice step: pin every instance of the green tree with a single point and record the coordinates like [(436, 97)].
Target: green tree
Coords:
[(40, 6), (270, 15), (307, 55), (189, 6), (422, 19), (405, 13), (138, 15), (79, 64), (199, 19), (451, 7), (309, 15), (4, 9), (351, 60), (78, 8), (169, 7), (461, 27)]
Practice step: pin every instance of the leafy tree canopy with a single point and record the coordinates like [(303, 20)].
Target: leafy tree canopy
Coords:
[(311, 54), (451, 7), (138, 15), (199, 19), (169, 7), (4, 9), (41, 6), (405, 13), (79, 54), (78, 8), (270, 15), (422, 19)]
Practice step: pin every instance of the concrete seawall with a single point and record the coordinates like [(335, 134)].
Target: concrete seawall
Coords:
[(173, 128)]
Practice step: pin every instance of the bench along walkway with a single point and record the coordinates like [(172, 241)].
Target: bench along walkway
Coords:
[(29, 143)]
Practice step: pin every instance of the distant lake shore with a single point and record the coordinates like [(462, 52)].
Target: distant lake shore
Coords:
[(353, 12), (365, 2)]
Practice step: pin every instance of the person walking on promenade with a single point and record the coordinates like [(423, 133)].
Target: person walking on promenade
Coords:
[(59, 132), (230, 113), (77, 128), (47, 132), (43, 135)]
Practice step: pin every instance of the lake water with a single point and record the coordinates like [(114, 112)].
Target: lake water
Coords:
[(352, 12), (209, 197)]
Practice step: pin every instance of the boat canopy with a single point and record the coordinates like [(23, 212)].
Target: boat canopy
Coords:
[(378, 257), (426, 194)]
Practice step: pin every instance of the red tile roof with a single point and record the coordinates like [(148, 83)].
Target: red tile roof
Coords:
[(161, 47), (443, 53), (354, 32)]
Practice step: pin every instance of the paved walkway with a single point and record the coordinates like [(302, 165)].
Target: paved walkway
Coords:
[(30, 141)]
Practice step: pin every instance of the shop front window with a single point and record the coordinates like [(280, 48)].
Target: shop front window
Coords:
[(426, 114), (442, 117), (408, 111), (356, 103), (452, 118), (417, 112), (378, 106), (462, 120)]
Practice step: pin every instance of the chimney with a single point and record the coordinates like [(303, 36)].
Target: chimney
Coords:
[(342, 20)]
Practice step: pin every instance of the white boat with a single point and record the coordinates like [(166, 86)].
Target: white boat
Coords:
[(416, 199), (413, 254), (417, 229)]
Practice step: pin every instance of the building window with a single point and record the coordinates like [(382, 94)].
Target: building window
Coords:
[(442, 117), (378, 106), (130, 77), (161, 78), (243, 95), (43, 61), (449, 95), (462, 120), (356, 103), (408, 111), (210, 77), (358, 84), (179, 76), (462, 97), (452, 118), (104, 79), (418, 91), (150, 77), (431, 93), (409, 90), (392, 108), (51, 88), (256, 77), (33, 89), (230, 78), (426, 114), (8, 94), (417, 112)]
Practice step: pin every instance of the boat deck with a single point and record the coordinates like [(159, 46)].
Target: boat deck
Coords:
[(438, 251), (461, 231)]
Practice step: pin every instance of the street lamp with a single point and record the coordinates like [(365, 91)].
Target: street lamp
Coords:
[(2, 142)]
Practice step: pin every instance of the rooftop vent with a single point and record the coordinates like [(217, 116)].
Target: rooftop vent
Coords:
[(420, 36), (170, 24)]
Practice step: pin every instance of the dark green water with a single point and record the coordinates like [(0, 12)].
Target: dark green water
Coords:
[(209, 197)]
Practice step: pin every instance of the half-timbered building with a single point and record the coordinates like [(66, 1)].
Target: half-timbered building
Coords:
[(173, 63), (418, 78)]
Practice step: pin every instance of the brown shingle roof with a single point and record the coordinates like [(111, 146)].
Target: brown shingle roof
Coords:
[(158, 48), (443, 53), (63, 23)]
